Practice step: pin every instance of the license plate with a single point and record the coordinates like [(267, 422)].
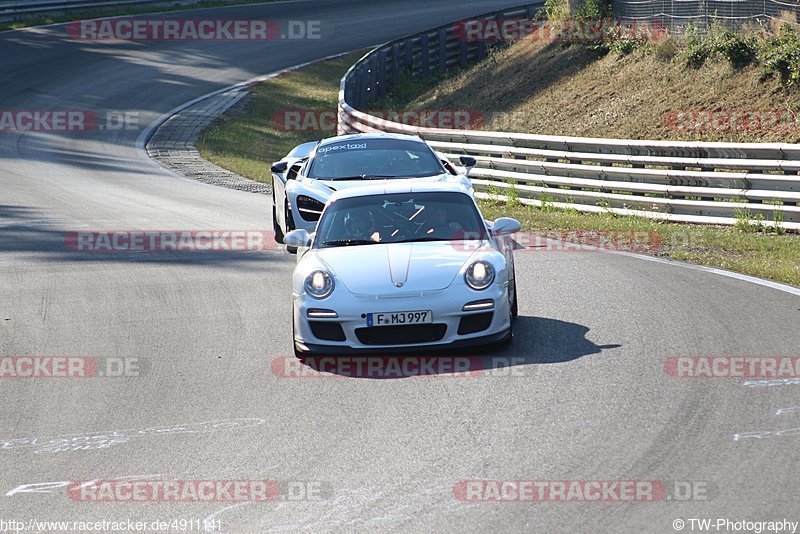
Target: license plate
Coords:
[(396, 318)]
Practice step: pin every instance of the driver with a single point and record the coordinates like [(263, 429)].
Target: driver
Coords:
[(361, 227)]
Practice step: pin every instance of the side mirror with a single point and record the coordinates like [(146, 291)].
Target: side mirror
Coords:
[(468, 162), (297, 238), (279, 167), (506, 226)]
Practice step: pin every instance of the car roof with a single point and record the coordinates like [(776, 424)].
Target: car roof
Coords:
[(371, 135), (404, 186)]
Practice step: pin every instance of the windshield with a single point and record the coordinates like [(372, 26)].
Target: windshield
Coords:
[(374, 158), (400, 218)]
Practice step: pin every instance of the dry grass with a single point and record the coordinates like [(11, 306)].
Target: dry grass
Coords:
[(544, 88)]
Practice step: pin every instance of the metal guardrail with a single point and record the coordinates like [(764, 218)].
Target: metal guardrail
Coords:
[(696, 182)]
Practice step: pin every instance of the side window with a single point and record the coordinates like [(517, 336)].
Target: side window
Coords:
[(295, 169)]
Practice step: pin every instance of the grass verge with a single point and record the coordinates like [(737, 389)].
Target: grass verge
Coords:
[(248, 141), (771, 256)]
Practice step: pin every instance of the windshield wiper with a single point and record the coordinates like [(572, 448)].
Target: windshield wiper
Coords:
[(421, 239), (367, 177), (349, 242), (359, 177), (396, 176)]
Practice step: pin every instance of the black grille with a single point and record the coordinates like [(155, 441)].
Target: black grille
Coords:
[(310, 209), (327, 330), (401, 334), (474, 323)]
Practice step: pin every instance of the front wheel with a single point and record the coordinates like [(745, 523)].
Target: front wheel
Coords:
[(289, 218), (515, 304), (509, 339), (275, 226), (512, 315)]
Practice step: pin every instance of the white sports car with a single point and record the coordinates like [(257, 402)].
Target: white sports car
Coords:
[(304, 180), (402, 266)]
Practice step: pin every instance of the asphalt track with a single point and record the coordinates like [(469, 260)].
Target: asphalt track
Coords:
[(586, 399)]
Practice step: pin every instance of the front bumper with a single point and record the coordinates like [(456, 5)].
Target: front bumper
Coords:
[(352, 335)]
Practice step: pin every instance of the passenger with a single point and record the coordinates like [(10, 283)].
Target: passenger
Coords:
[(440, 224)]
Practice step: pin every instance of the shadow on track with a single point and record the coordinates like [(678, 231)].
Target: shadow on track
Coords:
[(24, 231), (537, 341)]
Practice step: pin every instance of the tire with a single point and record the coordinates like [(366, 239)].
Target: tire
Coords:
[(510, 338), (514, 311), (515, 304), (279, 235), (512, 314), (289, 226), (505, 342)]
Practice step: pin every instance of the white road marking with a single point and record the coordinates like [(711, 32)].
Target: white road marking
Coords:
[(104, 439)]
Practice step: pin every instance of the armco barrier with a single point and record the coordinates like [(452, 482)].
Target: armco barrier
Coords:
[(696, 182)]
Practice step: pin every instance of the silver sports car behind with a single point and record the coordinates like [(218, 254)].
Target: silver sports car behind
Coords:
[(305, 179), (401, 266)]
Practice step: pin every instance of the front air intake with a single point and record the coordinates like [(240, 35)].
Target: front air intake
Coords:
[(310, 209)]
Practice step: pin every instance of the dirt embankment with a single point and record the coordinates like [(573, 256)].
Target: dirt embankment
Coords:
[(546, 88)]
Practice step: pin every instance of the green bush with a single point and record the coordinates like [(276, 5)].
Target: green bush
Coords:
[(593, 10), (624, 40), (624, 46), (554, 10), (781, 56), (739, 51), (719, 42), (695, 56)]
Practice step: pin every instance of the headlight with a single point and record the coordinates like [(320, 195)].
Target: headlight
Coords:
[(479, 275), (319, 284)]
